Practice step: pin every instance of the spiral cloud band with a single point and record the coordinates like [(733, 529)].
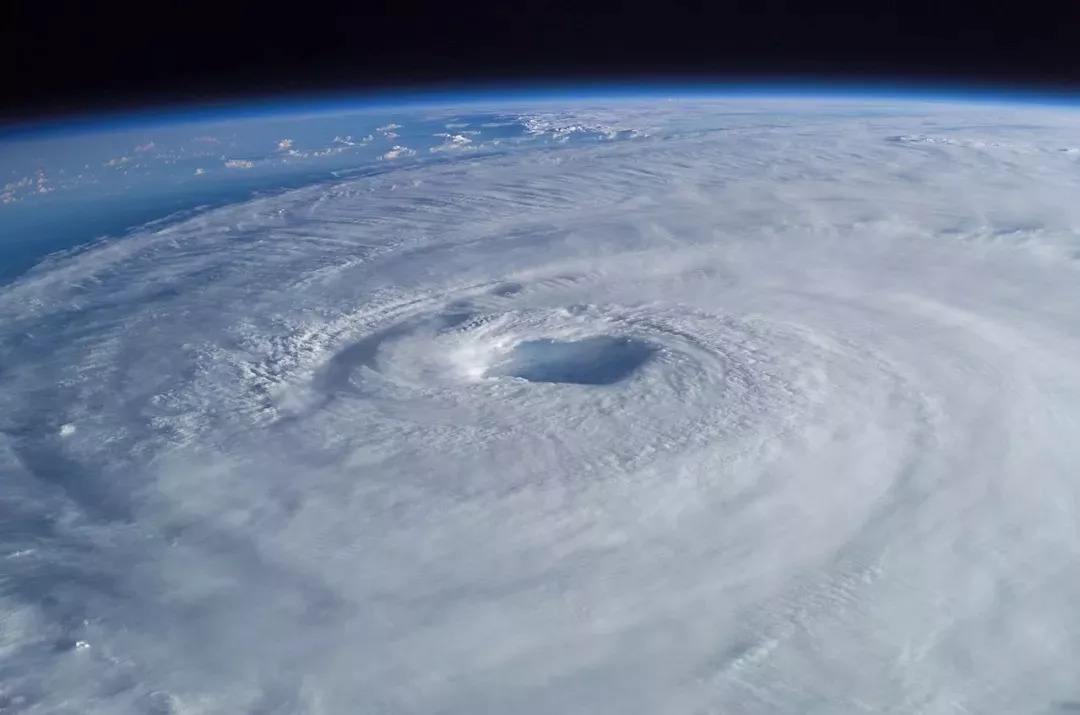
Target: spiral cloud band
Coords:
[(747, 407)]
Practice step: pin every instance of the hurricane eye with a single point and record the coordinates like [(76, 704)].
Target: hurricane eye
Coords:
[(601, 360)]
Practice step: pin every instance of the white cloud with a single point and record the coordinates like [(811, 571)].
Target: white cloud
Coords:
[(285, 144), (398, 151), (459, 139), (452, 142), (764, 412), (349, 141), (240, 164), (387, 130), (36, 183), (564, 126)]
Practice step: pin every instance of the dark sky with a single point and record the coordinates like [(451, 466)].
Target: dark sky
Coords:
[(62, 56)]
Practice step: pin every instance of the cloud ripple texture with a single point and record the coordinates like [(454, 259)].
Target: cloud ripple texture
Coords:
[(762, 409)]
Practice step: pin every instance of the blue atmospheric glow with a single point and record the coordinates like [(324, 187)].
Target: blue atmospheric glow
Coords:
[(328, 102)]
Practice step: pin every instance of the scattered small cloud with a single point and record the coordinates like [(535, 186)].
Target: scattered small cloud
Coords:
[(329, 151), (349, 140), (285, 144), (387, 130), (200, 171), (145, 147), (455, 138), (398, 151), (561, 128), (37, 183), (452, 142), (206, 140), (239, 164), (117, 161)]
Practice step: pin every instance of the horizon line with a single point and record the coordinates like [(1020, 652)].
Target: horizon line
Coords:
[(256, 105)]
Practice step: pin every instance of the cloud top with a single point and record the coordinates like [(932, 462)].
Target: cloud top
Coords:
[(758, 409)]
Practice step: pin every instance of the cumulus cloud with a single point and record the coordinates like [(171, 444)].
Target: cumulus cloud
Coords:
[(388, 130), (397, 152), (239, 164), (763, 412), (459, 139), (564, 126), (285, 144), (452, 142), (349, 141), (36, 183)]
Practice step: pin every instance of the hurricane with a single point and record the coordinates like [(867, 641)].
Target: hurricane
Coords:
[(739, 406)]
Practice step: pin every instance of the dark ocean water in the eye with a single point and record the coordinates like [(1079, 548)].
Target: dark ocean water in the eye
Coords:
[(601, 360)]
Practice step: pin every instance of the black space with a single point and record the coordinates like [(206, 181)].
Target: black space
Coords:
[(63, 56)]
